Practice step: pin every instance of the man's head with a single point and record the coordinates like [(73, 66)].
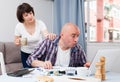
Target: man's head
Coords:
[(69, 35)]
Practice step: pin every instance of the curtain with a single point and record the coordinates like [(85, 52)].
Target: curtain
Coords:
[(70, 11)]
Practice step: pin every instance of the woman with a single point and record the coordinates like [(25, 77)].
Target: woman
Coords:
[(31, 29)]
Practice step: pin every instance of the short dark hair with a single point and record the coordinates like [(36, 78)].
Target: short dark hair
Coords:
[(21, 9)]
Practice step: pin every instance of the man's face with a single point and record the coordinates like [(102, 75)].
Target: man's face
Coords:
[(70, 37)]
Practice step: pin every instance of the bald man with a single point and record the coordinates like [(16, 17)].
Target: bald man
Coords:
[(64, 50)]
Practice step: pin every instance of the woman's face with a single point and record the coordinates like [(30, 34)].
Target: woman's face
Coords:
[(28, 17)]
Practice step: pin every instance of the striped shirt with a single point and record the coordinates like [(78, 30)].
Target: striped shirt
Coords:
[(47, 51)]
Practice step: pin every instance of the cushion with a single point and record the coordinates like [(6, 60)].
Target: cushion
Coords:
[(13, 67), (12, 53)]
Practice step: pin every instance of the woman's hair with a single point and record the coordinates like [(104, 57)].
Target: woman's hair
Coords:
[(23, 8)]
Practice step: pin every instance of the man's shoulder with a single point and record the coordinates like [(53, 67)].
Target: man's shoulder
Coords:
[(78, 49), (78, 46)]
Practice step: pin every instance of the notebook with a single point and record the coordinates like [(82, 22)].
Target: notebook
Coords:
[(20, 72), (111, 58)]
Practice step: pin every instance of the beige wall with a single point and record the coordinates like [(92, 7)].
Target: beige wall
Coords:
[(43, 10)]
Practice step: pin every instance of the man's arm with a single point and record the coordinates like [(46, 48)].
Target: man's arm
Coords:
[(83, 56), (86, 64), (38, 53)]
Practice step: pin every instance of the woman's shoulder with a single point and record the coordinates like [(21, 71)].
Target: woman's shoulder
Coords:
[(39, 21), (41, 24), (19, 24)]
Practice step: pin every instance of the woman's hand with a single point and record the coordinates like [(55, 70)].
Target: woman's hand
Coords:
[(17, 41), (46, 34), (51, 36)]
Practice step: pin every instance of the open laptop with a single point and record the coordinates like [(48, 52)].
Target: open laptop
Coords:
[(111, 58), (2, 64)]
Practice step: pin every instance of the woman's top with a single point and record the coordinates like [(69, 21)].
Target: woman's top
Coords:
[(33, 39)]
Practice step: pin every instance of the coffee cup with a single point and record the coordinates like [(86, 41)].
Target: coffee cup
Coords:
[(82, 71), (23, 41), (70, 71)]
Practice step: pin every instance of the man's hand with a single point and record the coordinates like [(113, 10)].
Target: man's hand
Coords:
[(47, 65), (43, 64), (87, 64)]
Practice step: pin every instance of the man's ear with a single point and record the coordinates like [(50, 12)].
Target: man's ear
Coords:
[(61, 34)]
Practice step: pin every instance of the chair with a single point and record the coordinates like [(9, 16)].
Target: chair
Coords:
[(2, 64)]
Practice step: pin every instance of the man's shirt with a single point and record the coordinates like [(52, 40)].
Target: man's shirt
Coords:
[(47, 51), (63, 57)]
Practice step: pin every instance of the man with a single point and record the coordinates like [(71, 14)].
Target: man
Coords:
[(62, 51)]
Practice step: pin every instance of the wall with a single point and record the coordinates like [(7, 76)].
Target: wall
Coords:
[(43, 10)]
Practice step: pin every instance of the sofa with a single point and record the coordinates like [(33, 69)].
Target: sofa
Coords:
[(11, 54)]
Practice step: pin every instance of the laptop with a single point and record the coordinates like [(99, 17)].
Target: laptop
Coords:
[(111, 58), (2, 64)]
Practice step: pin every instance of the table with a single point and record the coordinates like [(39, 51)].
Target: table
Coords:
[(110, 77), (5, 78), (56, 79)]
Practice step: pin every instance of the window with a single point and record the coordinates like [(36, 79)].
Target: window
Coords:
[(102, 18)]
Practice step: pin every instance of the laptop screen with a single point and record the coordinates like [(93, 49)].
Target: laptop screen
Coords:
[(111, 57)]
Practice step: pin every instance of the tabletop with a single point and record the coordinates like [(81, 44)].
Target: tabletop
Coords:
[(110, 77)]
